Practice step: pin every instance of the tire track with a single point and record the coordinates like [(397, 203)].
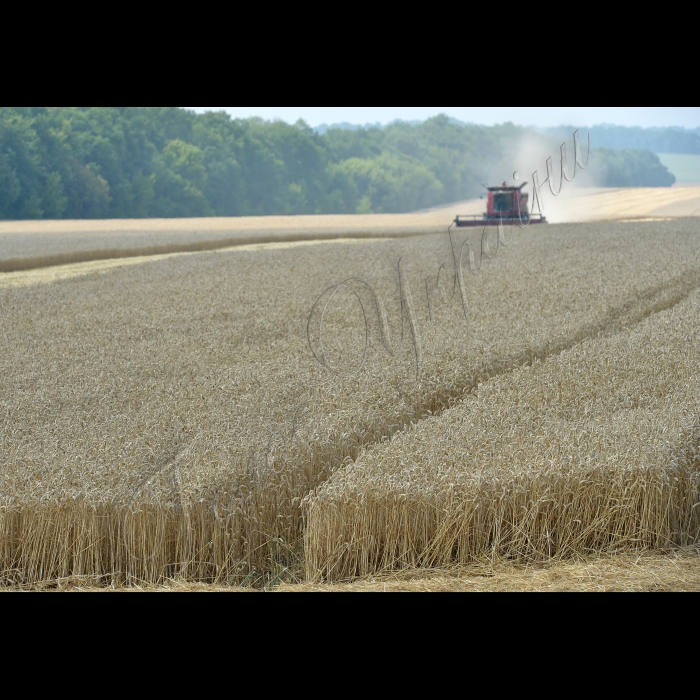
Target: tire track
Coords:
[(619, 318)]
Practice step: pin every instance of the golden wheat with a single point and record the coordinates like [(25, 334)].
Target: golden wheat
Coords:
[(32, 244), (28, 245), (597, 448), (167, 419)]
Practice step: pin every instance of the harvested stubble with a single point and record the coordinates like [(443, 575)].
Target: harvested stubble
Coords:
[(167, 419), (647, 572), (628, 573), (595, 449)]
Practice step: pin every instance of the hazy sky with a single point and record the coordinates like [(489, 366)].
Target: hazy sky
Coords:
[(525, 116)]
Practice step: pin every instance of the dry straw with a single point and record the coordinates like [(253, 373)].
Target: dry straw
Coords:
[(167, 420)]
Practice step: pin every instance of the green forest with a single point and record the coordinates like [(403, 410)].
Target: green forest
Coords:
[(136, 162), (659, 140)]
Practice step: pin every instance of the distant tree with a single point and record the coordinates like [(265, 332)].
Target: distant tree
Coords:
[(88, 192), (670, 140), (390, 183), (630, 167), (22, 177)]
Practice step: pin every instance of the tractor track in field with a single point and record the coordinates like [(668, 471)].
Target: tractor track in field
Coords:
[(618, 319)]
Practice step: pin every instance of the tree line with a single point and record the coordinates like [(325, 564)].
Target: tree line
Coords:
[(658, 140), (136, 162)]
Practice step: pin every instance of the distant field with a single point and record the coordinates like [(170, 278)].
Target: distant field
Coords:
[(628, 203), (685, 167), (30, 244), (26, 245)]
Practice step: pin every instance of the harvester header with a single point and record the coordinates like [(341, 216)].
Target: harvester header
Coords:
[(507, 204)]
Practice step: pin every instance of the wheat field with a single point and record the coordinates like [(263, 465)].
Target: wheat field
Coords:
[(171, 419), (26, 245), (594, 449)]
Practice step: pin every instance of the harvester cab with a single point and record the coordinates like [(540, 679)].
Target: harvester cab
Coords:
[(506, 204)]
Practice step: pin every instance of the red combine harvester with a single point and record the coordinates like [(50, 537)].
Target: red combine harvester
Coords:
[(508, 204)]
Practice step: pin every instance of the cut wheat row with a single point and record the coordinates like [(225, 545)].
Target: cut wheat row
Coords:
[(596, 449), (28, 245)]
